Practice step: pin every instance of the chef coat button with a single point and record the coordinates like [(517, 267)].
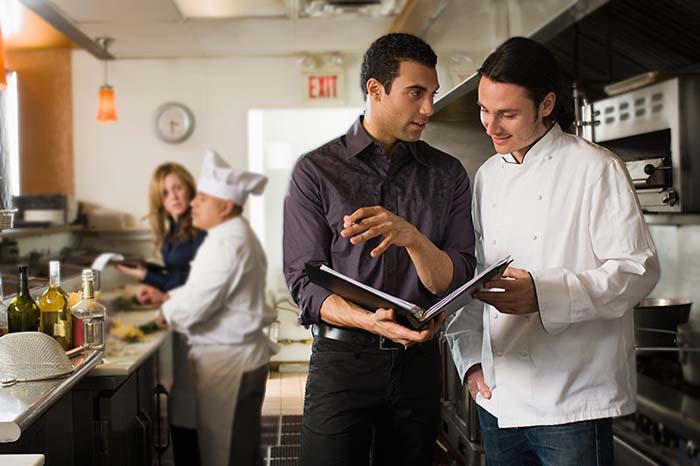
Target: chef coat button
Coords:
[(534, 237), (549, 157), (493, 205), (495, 315), (539, 198), (523, 354), (494, 241)]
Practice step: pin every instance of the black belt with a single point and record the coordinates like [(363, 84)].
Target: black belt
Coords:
[(359, 337)]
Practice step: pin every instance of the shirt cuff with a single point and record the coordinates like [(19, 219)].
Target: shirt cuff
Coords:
[(553, 299), (313, 299)]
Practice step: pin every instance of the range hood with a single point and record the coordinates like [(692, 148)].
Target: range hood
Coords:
[(599, 42)]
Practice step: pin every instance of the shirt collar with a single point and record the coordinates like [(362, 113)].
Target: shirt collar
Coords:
[(227, 225), (357, 140), (545, 146)]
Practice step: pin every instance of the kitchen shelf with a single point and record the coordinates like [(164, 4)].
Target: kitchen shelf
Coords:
[(39, 231), (672, 219)]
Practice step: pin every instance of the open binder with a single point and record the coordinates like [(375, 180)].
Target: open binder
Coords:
[(409, 314)]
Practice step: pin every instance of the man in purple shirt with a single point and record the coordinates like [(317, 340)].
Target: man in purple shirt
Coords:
[(387, 209)]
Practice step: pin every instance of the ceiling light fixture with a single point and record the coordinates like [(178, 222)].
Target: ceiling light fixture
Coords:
[(106, 107)]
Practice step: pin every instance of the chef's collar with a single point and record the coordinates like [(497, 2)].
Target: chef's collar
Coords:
[(357, 140), (543, 145)]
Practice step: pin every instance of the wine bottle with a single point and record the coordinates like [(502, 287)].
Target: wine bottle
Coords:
[(53, 304), (88, 317), (22, 312)]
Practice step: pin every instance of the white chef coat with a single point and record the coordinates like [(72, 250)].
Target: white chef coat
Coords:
[(569, 215), (222, 310)]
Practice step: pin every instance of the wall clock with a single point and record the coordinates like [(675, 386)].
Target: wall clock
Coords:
[(174, 122)]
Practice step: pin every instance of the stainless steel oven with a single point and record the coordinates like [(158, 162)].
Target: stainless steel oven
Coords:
[(655, 129)]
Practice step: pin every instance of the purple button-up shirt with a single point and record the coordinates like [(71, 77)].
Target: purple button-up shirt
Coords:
[(419, 183)]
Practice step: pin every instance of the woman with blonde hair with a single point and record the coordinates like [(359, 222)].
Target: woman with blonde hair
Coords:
[(171, 190)]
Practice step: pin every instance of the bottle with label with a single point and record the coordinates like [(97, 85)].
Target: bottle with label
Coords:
[(88, 317), (3, 311), (55, 314), (22, 312)]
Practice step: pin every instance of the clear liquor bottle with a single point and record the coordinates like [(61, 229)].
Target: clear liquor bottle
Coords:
[(3, 311), (88, 317), (22, 312), (56, 320)]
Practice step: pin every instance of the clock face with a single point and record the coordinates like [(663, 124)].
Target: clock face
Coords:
[(174, 122)]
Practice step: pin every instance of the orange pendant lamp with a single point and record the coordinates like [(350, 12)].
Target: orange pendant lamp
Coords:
[(3, 78), (106, 107)]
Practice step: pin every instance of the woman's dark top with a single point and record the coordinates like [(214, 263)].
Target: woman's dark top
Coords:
[(176, 257)]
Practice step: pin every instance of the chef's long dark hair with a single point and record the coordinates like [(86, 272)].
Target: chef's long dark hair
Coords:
[(158, 217), (531, 65)]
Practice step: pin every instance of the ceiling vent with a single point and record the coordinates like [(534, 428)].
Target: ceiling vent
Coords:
[(331, 8)]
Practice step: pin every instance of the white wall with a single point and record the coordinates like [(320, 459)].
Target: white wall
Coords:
[(113, 163)]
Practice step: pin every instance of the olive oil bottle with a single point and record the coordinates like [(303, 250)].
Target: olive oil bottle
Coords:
[(22, 312), (55, 314)]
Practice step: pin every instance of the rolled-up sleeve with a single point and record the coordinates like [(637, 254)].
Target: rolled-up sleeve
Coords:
[(306, 238), (458, 241)]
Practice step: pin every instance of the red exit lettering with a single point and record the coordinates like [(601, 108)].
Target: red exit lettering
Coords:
[(323, 87)]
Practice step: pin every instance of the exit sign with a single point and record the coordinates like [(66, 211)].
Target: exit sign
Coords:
[(324, 87)]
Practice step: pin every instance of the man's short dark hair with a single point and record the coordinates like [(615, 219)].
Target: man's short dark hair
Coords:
[(528, 64), (383, 58)]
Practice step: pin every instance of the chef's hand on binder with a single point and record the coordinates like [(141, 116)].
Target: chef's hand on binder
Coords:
[(369, 222), (384, 324), (518, 295)]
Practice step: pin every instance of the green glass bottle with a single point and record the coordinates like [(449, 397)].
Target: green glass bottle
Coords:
[(22, 312)]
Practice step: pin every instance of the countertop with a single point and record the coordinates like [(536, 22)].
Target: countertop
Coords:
[(23, 403), (121, 359), (22, 460)]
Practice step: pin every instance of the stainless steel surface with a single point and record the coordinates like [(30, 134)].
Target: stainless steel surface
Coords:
[(554, 26), (627, 454), (688, 344), (656, 320), (22, 404), (659, 121)]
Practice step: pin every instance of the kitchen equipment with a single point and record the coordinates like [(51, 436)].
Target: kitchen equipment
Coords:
[(654, 131), (653, 314), (51, 216), (57, 209), (31, 356), (689, 337)]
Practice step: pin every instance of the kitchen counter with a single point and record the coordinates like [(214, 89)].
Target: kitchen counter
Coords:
[(23, 403), (22, 460), (121, 358)]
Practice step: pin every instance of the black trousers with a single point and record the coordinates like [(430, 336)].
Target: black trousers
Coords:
[(367, 406)]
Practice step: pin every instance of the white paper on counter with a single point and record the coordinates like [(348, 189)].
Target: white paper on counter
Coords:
[(101, 261)]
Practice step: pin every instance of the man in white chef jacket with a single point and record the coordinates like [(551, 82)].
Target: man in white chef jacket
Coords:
[(221, 308), (550, 358)]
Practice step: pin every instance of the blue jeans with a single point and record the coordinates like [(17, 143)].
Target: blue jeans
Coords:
[(587, 443)]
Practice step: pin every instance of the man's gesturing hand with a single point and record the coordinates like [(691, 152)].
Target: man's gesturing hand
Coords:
[(369, 222)]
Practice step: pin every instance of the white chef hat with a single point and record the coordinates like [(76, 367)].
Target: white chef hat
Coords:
[(218, 179)]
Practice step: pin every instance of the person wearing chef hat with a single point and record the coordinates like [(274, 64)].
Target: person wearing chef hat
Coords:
[(222, 310)]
